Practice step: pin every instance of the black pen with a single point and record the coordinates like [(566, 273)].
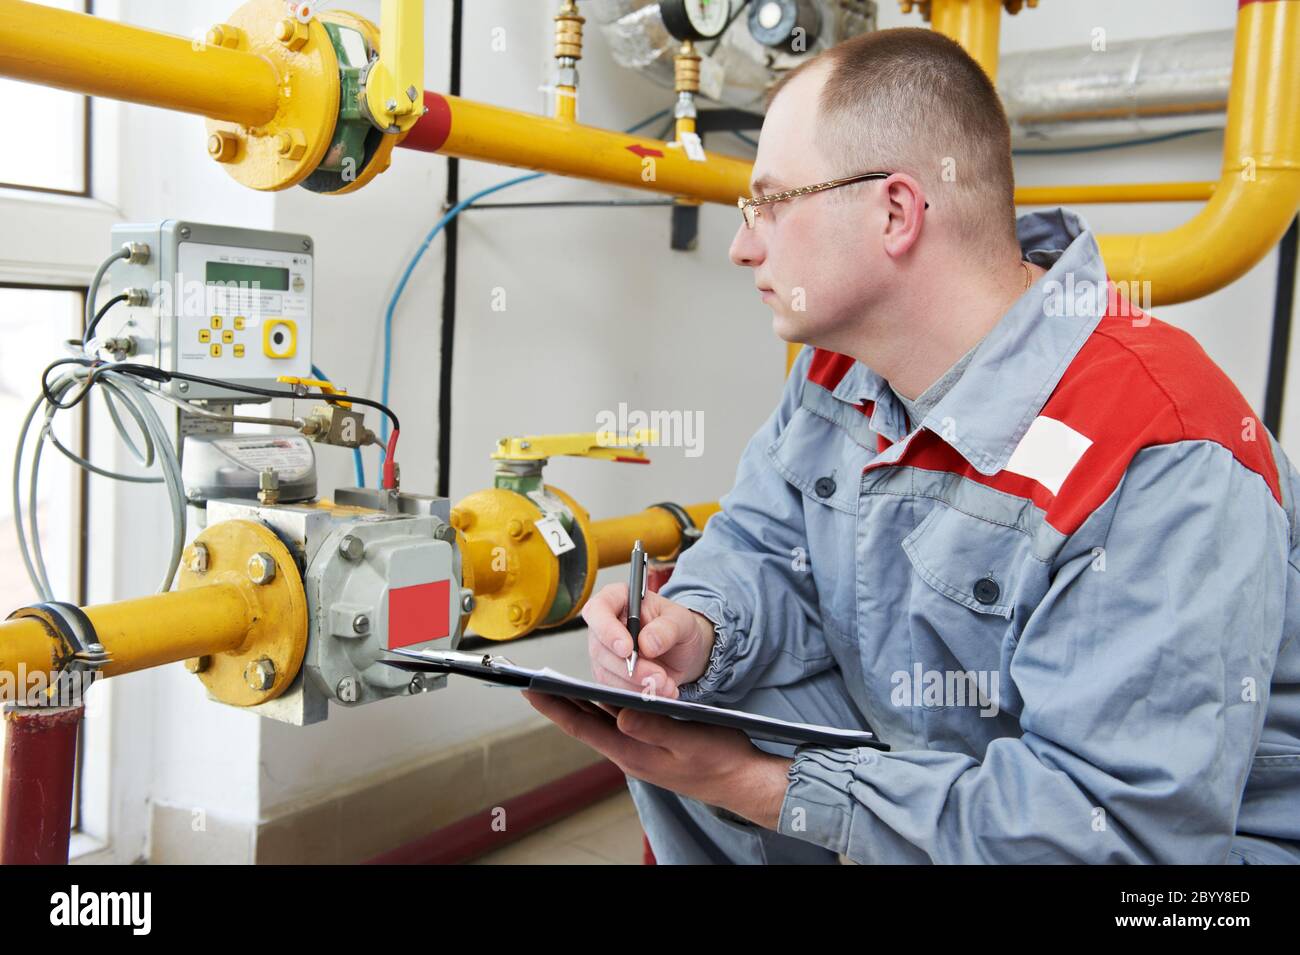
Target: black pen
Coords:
[(635, 594)]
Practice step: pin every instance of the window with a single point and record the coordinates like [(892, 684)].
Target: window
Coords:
[(35, 323), (47, 141)]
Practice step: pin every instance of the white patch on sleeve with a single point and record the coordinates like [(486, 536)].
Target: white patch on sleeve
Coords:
[(1048, 452)]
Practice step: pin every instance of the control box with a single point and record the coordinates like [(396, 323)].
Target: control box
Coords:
[(223, 302)]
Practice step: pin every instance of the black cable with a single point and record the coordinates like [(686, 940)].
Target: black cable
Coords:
[(94, 322), (150, 373), (579, 203), (451, 246), (1280, 340), (45, 383)]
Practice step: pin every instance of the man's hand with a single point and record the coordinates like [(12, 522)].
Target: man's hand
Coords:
[(714, 764), (674, 643)]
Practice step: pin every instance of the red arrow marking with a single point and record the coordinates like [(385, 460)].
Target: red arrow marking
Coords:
[(644, 151)]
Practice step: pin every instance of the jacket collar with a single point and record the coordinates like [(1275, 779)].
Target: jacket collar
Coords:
[(1019, 362)]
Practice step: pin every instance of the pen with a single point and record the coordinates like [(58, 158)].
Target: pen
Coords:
[(635, 593)]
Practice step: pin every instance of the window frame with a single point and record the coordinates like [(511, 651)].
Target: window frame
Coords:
[(87, 190), (81, 521)]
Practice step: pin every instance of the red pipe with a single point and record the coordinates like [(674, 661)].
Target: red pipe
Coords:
[(481, 833), (36, 799), (430, 130)]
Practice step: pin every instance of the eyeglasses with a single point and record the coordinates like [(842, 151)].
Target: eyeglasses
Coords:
[(749, 207)]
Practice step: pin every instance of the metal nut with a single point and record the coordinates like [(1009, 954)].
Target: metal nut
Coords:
[(223, 34), (290, 143), (416, 685), (445, 532), (292, 34), (198, 664), (360, 623), (223, 146), (260, 674), (412, 93), (352, 548), (268, 486), (467, 602), (198, 559), (261, 568), (346, 689)]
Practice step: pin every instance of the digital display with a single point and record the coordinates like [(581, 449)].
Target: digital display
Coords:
[(248, 276)]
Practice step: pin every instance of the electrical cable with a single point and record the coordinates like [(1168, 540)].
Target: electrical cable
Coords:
[(132, 396), (123, 253), (1100, 147), (358, 463), (89, 333)]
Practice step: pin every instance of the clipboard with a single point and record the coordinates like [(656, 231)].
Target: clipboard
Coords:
[(500, 671)]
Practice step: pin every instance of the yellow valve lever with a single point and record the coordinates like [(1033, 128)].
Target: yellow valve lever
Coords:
[(599, 445), (317, 383)]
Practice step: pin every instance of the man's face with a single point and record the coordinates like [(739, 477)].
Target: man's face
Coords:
[(812, 260)]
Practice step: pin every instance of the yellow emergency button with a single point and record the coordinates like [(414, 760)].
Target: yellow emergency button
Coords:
[(216, 321), (239, 351), (227, 336), (205, 336), (239, 323), (214, 350)]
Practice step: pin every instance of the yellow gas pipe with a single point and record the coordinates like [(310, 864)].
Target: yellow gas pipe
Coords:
[(137, 634), (86, 54), (975, 24), (1259, 189), (654, 527), (1247, 214), (240, 602)]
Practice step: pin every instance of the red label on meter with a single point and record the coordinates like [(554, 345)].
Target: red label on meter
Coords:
[(418, 613)]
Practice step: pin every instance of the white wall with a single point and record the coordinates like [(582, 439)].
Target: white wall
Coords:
[(599, 311), (168, 743)]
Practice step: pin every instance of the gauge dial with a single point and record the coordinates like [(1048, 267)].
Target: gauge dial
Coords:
[(695, 19)]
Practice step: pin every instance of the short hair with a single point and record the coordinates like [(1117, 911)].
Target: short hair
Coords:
[(912, 100)]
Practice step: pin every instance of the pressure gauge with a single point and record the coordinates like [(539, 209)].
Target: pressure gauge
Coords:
[(788, 25), (695, 19)]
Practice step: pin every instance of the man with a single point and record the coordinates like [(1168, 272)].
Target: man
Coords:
[(1031, 537)]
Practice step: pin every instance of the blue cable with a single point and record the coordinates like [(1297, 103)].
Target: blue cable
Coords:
[(357, 464), (438, 226), (1064, 150)]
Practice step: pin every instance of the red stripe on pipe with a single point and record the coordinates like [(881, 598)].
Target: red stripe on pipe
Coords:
[(432, 129), (36, 799), (482, 832)]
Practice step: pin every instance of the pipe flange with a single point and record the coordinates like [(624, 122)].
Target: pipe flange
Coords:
[(531, 572), (380, 145), (585, 557), (286, 150), (277, 638)]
